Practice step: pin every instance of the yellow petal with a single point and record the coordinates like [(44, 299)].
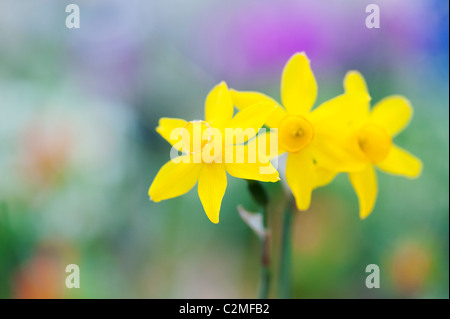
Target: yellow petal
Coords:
[(349, 109), (400, 162), (267, 143), (219, 106), (354, 83), (246, 123), (298, 85), (335, 148), (211, 189), (359, 99), (247, 163), (324, 176), (365, 186), (275, 118), (169, 129), (175, 178), (335, 145), (243, 100), (344, 110), (393, 113), (301, 177)]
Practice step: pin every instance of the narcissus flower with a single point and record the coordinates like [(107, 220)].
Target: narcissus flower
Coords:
[(209, 153), (373, 131), (317, 141)]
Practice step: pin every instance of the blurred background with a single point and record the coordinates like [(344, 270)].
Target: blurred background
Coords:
[(78, 148)]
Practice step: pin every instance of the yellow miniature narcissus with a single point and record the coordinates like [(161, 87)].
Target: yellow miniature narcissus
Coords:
[(178, 176), (373, 131), (317, 141)]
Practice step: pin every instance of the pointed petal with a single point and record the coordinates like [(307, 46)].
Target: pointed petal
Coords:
[(348, 109), (211, 189), (298, 85), (365, 185), (175, 178), (219, 106), (245, 162), (359, 99), (354, 83), (167, 128), (243, 100), (393, 113), (324, 176), (301, 177), (246, 123), (344, 110), (267, 143), (400, 162)]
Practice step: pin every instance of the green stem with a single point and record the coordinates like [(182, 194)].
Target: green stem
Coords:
[(265, 260), (286, 253), (265, 280), (260, 196)]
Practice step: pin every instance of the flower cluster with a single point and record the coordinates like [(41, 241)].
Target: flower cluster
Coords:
[(342, 135)]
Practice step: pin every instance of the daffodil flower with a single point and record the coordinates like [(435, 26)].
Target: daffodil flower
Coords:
[(373, 131), (209, 158), (315, 140)]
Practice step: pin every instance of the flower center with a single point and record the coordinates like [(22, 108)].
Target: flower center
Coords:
[(295, 132), (195, 136), (375, 142)]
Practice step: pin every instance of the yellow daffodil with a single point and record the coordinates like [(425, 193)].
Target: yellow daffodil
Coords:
[(373, 131), (317, 141), (207, 159)]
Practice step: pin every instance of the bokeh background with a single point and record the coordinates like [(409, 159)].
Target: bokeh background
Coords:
[(78, 149)]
